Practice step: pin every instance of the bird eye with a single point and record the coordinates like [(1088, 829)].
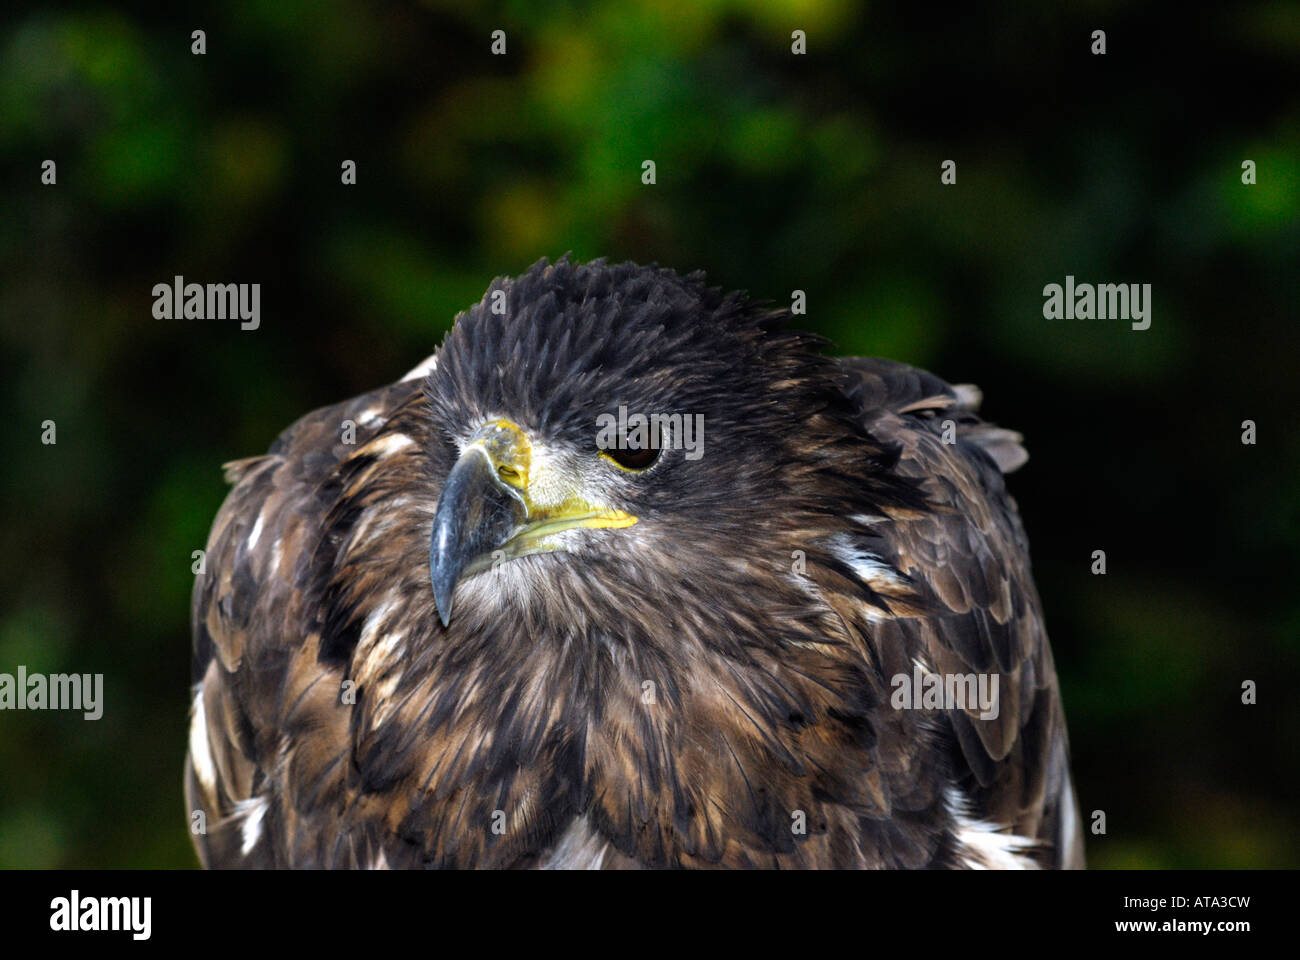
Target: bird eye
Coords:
[(633, 459)]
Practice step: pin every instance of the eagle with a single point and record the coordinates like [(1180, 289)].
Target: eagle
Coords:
[(482, 618)]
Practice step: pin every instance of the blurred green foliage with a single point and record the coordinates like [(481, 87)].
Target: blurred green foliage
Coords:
[(775, 172)]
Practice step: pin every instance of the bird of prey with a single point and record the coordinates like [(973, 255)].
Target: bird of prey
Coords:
[(449, 624)]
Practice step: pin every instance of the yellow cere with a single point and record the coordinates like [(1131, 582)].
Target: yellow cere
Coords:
[(509, 450)]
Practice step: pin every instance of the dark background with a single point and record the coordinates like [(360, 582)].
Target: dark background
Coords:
[(775, 172)]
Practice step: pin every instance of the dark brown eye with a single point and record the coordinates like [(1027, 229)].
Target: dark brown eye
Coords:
[(633, 459)]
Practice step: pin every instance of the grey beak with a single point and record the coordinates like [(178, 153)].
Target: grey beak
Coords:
[(476, 514)]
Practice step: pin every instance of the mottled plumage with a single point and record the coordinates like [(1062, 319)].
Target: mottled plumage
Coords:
[(697, 664)]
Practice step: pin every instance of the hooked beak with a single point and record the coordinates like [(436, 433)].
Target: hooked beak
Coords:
[(486, 514)]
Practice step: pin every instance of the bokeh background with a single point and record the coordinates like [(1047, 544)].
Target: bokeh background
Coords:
[(775, 172)]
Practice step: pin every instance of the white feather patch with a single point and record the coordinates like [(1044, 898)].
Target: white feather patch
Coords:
[(386, 445), (257, 533), (868, 519), (376, 620), (253, 811), (1067, 838), (200, 749), (580, 848), (426, 367), (869, 567), (986, 846)]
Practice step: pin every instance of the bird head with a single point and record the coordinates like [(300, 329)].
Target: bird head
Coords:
[(625, 415)]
